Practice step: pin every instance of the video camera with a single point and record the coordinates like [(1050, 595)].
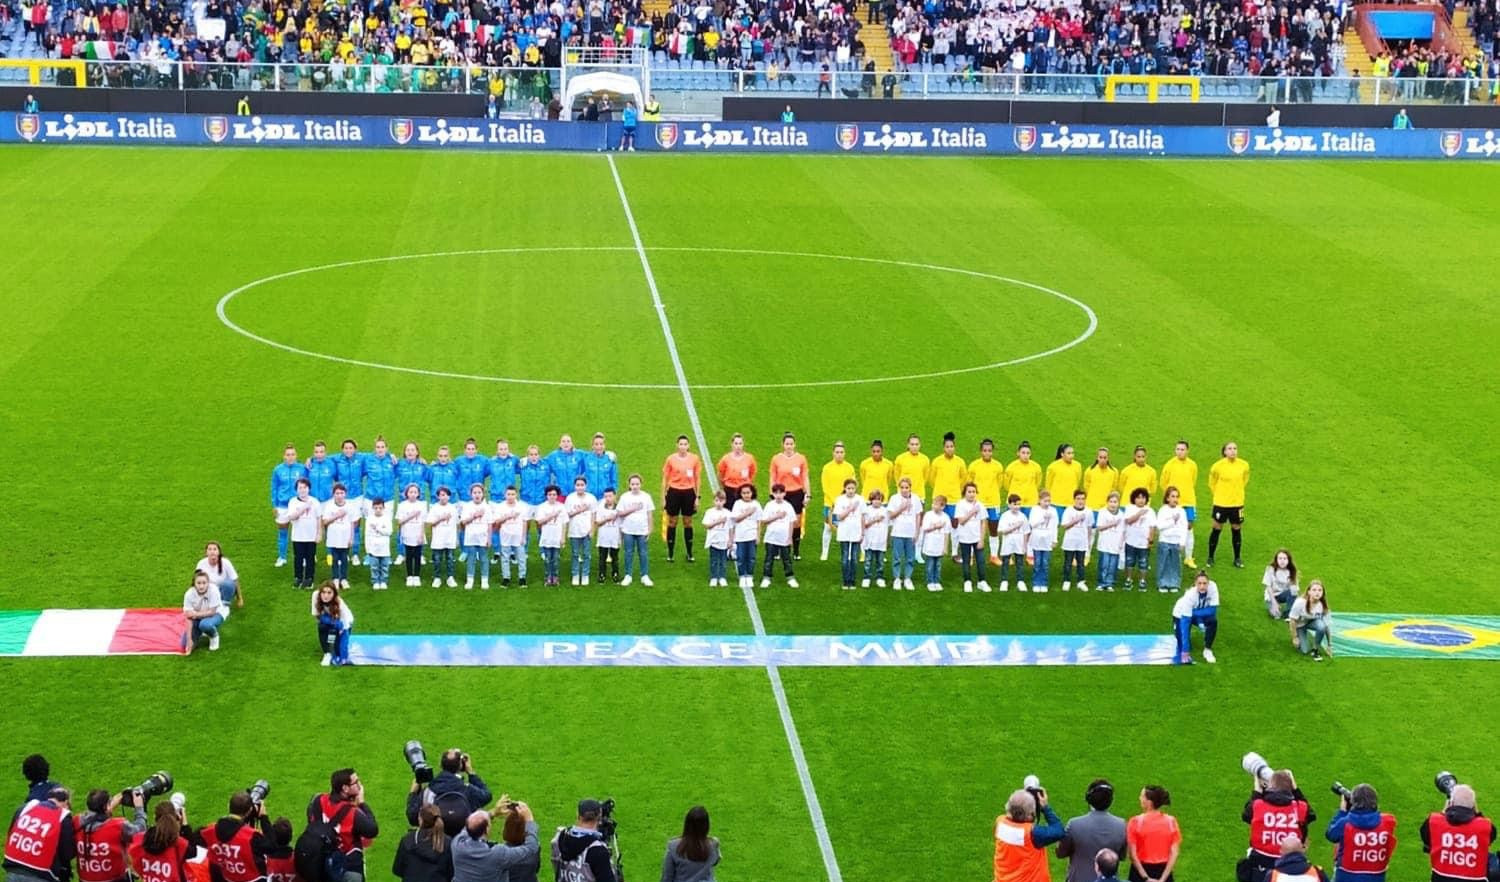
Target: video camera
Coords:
[(416, 757), (155, 785), (608, 827)]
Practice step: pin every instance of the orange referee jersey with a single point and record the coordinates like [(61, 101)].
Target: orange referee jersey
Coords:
[(789, 471), (737, 469), (682, 472)]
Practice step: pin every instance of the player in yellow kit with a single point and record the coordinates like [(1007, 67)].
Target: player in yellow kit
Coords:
[(1226, 481), (988, 476), (835, 472), (1138, 476), (949, 473), (1023, 477), (875, 472), (1064, 477), (1099, 480), (1182, 473), (912, 465)]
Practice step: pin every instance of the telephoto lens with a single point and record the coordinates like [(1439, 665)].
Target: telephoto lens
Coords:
[(259, 791), (1257, 767), (1445, 782), (155, 785), (1341, 791), (416, 757)]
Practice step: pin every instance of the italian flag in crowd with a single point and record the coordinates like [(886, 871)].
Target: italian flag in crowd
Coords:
[(53, 632), (99, 50)]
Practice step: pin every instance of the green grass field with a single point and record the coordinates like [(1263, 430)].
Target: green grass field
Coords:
[(1333, 318)]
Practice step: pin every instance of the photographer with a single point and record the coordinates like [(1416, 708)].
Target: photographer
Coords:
[(580, 851), (160, 854), (476, 859), (281, 857), (236, 848), (1276, 809), (343, 808), (1365, 836), (1020, 842), (1458, 838), (474, 793), (1291, 865), (1087, 835), (38, 773), (40, 846), (103, 839)]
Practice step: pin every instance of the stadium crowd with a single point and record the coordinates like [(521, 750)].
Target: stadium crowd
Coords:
[(460, 833)]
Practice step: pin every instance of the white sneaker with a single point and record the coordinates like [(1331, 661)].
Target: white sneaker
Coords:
[(354, 561), (327, 660), (469, 584), (344, 584), (281, 561), (935, 586), (646, 580), (791, 582), (400, 559), (224, 611), (910, 586), (381, 587), (879, 583), (1208, 656), (213, 643), (1020, 586), (452, 582), (824, 557), (984, 586), (484, 584), (1083, 586), (575, 581), (584, 580), (865, 583), (765, 581), (1038, 589), (968, 587), (626, 581), (1067, 586), (437, 583), (1004, 584)]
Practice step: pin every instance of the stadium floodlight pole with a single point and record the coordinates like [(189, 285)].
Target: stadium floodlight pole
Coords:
[(799, 758)]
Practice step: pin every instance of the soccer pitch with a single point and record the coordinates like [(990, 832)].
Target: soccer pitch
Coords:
[(1333, 318)]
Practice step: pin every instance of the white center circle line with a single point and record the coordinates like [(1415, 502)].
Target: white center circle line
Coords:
[(1093, 319)]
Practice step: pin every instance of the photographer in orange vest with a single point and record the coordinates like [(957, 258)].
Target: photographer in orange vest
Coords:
[(40, 846), (1458, 838), (1020, 842), (103, 838)]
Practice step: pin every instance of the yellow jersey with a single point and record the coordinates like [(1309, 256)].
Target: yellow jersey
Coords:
[(1024, 479), (1063, 480), (833, 477), (1098, 484), (1133, 476), (948, 475), (989, 477), (1182, 474), (913, 466), (1226, 481), (875, 475)]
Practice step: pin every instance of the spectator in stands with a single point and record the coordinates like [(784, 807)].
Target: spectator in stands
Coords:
[(30, 105), (424, 854), (1401, 121), (1088, 835), (1154, 838), (454, 766), (692, 856)]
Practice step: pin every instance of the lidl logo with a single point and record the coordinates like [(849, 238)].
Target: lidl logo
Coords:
[(1452, 142), (667, 135), (216, 128), (402, 130), (847, 135), (1239, 141), (1025, 138), (28, 126)]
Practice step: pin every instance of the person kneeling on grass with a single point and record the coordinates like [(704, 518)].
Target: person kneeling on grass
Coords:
[(201, 607), (335, 623), (1200, 607), (1280, 582), (1309, 623)]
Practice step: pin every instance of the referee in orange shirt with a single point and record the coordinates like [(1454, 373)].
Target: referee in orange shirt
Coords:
[(736, 469), (681, 478), (790, 469)]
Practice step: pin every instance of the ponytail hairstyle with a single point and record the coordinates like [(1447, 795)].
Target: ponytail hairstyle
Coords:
[(430, 823), (1060, 449), (219, 548), (167, 830), (1158, 796)]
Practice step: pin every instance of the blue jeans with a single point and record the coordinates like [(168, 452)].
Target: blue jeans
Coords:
[(380, 570), (515, 553), (1109, 564), (340, 564), (1279, 604), (636, 545), (903, 549), (477, 558), (1009, 560), (1312, 635), (1168, 565), (874, 564), (581, 560), (442, 563), (549, 562), (744, 558), (849, 561), (1041, 563), (933, 567), (227, 591), (208, 627), (718, 563)]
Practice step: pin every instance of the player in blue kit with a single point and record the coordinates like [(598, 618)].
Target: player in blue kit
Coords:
[(284, 479), (504, 471), (565, 463), (410, 469), (599, 468), (443, 473), (349, 470), (533, 478), (380, 474), (472, 469), (320, 473)]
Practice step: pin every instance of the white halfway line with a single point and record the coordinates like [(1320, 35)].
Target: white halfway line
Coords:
[(809, 792)]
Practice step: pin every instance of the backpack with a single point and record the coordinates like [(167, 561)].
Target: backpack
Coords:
[(317, 854)]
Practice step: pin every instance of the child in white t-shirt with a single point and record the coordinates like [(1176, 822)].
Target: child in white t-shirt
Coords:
[(607, 537), (905, 513), (969, 519), (1140, 520), (509, 521), (745, 524), (1077, 523), (848, 513), (877, 529), (1110, 530), (580, 506), (716, 539), (378, 542), (635, 527), (474, 521), (1013, 528), (339, 517), (443, 516), (551, 522), (779, 518), (1040, 542), (935, 530), (411, 520)]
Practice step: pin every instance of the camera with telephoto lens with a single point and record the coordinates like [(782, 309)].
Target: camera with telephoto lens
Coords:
[(155, 785), (1257, 767), (1445, 782), (259, 791), (1341, 791), (416, 757)]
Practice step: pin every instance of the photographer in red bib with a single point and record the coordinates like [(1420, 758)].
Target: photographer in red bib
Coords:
[(40, 846), (1276, 810), (1458, 838), (238, 842), (343, 808), (1364, 835), (103, 838)]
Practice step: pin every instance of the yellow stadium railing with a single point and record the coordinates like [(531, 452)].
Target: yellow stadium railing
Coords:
[(1153, 84), (35, 66)]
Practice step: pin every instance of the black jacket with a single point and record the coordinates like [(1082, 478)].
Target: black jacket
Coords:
[(418, 861), (570, 842), (475, 791)]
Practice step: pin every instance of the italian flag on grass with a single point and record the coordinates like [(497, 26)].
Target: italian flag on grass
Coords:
[(55, 632)]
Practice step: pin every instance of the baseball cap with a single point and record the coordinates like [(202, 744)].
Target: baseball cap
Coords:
[(588, 808)]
